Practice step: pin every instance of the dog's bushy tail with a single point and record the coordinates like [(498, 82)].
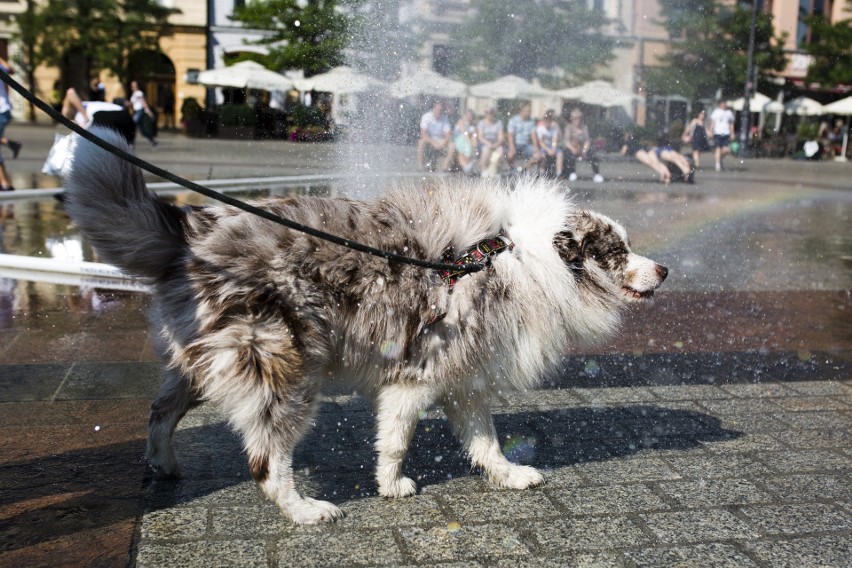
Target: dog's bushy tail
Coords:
[(128, 225)]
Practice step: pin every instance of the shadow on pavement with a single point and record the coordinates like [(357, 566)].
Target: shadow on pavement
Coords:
[(86, 489)]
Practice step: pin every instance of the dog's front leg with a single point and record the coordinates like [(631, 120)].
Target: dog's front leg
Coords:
[(470, 414), (398, 409)]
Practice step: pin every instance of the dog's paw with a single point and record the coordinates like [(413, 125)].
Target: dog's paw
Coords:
[(517, 477), (163, 463), (399, 487), (313, 512)]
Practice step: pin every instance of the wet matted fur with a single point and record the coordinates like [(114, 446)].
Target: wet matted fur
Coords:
[(256, 317)]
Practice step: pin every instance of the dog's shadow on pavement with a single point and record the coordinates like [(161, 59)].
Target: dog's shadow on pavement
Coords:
[(76, 491), (336, 459)]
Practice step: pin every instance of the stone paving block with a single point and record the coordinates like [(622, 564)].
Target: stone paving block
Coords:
[(814, 420), (797, 519), (557, 398), (817, 438), (656, 446), (753, 423), (821, 388), (713, 492), (187, 492), (608, 499), (806, 460), (111, 380), (471, 483), (708, 467), (626, 471), (751, 442), (761, 390), (587, 533), (697, 525), (690, 392), (379, 512), (715, 554), (205, 554), (458, 542), (616, 395), (179, 523), (565, 476), (741, 406), (822, 552), (326, 545), (572, 559), (810, 403), (567, 450), (258, 521), (813, 487), (499, 506), (20, 383)]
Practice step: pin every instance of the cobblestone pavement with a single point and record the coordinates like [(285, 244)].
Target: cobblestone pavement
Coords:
[(715, 431), (703, 475)]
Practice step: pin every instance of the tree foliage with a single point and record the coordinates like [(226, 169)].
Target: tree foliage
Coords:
[(105, 33), (831, 48), (300, 35), (710, 49), (560, 42)]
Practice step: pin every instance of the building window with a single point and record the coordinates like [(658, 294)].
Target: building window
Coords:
[(807, 8)]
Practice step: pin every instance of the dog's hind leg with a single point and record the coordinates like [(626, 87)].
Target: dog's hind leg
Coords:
[(398, 409), (270, 433), (470, 414), (175, 398)]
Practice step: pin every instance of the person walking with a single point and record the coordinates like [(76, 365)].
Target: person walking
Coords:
[(5, 119), (695, 133), (722, 124), (140, 110)]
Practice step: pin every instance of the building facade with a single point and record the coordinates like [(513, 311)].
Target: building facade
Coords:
[(789, 17), (182, 51)]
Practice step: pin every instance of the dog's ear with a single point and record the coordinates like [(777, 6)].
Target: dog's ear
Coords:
[(569, 248)]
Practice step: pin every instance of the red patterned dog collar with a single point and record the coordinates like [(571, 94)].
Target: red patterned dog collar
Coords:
[(483, 251)]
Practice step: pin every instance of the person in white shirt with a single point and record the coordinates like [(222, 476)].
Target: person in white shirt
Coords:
[(140, 109), (722, 124), (110, 115), (5, 119), (435, 133)]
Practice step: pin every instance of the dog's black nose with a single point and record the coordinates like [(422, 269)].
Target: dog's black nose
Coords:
[(662, 272)]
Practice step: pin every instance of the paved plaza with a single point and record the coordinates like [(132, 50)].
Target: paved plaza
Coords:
[(714, 430)]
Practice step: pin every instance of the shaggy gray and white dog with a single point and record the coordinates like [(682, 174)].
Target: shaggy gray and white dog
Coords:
[(256, 317)]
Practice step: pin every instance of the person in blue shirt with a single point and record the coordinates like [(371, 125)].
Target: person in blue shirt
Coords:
[(523, 140)]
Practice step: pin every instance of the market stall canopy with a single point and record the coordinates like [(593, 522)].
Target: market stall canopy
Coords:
[(428, 82), (510, 87), (245, 74), (599, 93), (757, 103), (774, 106), (843, 106), (341, 80), (804, 106)]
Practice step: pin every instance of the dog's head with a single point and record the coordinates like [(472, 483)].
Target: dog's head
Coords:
[(597, 251)]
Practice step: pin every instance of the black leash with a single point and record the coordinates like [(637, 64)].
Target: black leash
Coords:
[(191, 185)]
